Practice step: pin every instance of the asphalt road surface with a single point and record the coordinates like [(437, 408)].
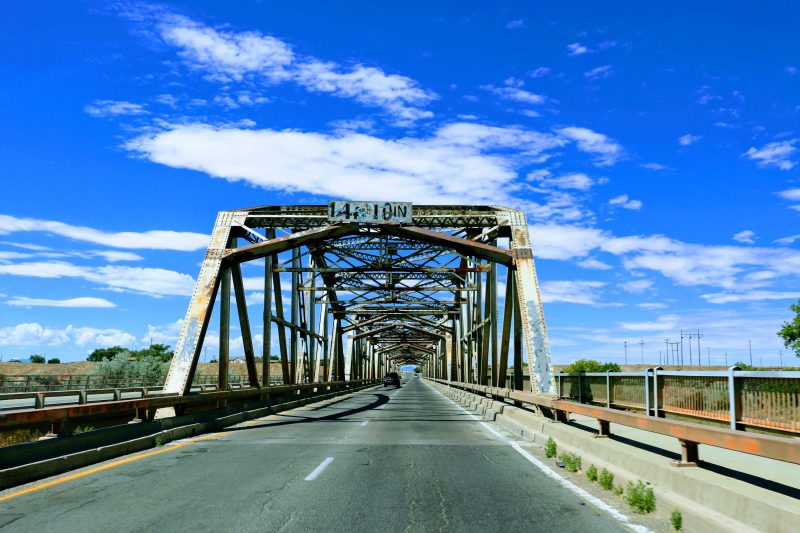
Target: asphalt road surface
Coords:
[(403, 459)]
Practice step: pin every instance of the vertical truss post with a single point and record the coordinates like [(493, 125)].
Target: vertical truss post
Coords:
[(340, 355), (518, 377), (294, 317), (224, 329), (493, 321), (505, 338), (312, 324), (486, 331), (266, 350), (278, 293), (244, 325), (348, 358)]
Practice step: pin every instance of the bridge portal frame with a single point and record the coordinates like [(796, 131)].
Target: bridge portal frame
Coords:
[(395, 316)]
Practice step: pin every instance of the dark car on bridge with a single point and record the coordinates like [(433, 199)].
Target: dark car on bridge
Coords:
[(392, 378)]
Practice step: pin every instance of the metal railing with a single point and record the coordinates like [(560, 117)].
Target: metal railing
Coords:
[(769, 400), (73, 382), (144, 407), (689, 434)]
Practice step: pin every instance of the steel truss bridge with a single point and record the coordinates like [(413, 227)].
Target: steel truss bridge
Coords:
[(354, 289)]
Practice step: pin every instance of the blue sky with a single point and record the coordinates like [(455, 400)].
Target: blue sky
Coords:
[(655, 150)]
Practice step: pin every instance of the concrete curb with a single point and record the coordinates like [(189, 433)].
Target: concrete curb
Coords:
[(32, 471), (707, 501)]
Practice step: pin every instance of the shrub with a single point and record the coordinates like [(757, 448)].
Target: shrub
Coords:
[(81, 429), (591, 473), (122, 372), (37, 359), (54, 361), (550, 448), (618, 490), (676, 519), (606, 479), (572, 462), (641, 497)]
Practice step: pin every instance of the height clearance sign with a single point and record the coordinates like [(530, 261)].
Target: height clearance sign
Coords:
[(369, 212)]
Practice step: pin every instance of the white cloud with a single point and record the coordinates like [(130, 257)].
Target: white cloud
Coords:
[(775, 154), (624, 202), (150, 281), (745, 236), (688, 139), (578, 181), (34, 334), (787, 240), (604, 71), (112, 108), (750, 296), (662, 323), (577, 49), (83, 302), (733, 268), (608, 150), (516, 94), (593, 264), (539, 72), (166, 99), (113, 255), (653, 166), (153, 240), (462, 162), (790, 194), (791, 70), (515, 24), (228, 56), (576, 292), (636, 286), (164, 333)]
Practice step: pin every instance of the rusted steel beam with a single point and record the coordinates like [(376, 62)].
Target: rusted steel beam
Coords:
[(464, 246), (289, 242)]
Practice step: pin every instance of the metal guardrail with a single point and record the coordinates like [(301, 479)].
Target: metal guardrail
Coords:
[(10, 384), (144, 408), (768, 400), (689, 434)]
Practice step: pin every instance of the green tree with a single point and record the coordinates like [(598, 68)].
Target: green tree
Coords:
[(790, 332), (590, 365), (159, 352), (105, 354), (37, 359), (54, 361)]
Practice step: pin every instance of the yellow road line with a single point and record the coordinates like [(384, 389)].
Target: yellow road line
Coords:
[(108, 466)]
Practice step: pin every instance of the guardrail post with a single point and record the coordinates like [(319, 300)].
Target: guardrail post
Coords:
[(603, 429), (647, 392), (608, 389), (39, 401), (689, 455), (83, 397), (658, 394), (580, 386), (734, 398), (117, 394)]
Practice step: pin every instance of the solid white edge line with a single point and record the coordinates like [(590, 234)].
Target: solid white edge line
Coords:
[(594, 500), (364, 423), (318, 470)]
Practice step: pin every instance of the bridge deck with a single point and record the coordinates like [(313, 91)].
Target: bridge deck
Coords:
[(403, 460)]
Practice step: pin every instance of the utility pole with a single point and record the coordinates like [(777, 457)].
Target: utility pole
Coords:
[(625, 343), (709, 355), (780, 353), (750, 347), (641, 343), (682, 348), (726, 358), (698, 349)]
